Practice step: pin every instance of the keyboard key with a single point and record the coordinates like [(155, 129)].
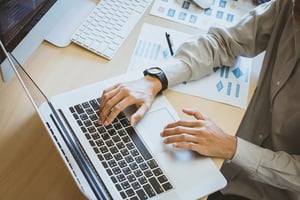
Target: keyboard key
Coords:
[(118, 157), (138, 173), (129, 159), (119, 188), (108, 156), (94, 104), (133, 166), (100, 157), (112, 163), (157, 172), (123, 195), (116, 170), (121, 177), (79, 109), (156, 185), (162, 179), (144, 166), (167, 186), (130, 192), (109, 172), (142, 195), (125, 185), (113, 179), (126, 171), (148, 173), (72, 110), (138, 142), (114, 150), (149, 190), (152, 164), (131, 178), (142, 180)]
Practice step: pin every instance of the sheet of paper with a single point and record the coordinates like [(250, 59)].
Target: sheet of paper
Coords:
[(222, 12), (152, 47), (228, 85)]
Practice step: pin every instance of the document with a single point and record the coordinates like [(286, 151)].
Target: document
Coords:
[(228, 85), (222, 12)]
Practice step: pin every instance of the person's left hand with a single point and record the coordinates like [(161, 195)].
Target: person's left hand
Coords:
[(200, 135)]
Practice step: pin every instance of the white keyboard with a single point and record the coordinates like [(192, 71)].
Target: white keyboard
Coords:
[(108, 25)]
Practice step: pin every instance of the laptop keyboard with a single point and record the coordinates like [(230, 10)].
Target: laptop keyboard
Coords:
[(127, 161), (108, 25)]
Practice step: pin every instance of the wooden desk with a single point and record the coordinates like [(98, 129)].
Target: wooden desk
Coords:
[(30, 166)]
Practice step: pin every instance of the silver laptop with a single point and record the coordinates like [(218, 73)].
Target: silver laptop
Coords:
[(119, 161)]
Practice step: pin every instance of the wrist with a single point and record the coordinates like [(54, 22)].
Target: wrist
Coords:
[(158, 75), (155, 84), (231, 147)]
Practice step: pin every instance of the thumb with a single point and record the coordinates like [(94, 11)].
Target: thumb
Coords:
[(193, 112), (137, 116)]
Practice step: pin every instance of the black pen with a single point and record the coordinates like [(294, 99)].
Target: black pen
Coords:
[(170, 44)]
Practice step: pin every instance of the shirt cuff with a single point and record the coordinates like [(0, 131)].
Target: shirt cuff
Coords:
[(176, 71), (247, 156)]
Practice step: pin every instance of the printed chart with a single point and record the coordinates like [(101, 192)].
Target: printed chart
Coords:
[(228, 85), (222, 12)]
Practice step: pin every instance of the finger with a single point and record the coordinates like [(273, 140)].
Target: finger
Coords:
[(181, 138), (193, 112), (116, 109), (112, 106), (186, 123), (186, 145), (107, 94), (180, 130), (137, 116)]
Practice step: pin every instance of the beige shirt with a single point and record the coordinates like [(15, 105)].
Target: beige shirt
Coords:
[(267, 161)]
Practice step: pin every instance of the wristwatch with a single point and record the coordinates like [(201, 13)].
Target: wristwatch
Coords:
[(159, 74)]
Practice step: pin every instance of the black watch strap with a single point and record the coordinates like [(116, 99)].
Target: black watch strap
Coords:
[(159, 74)]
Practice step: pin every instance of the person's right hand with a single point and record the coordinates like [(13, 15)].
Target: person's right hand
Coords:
[(140, 93)]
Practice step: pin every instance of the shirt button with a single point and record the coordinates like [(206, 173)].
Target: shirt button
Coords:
[(278, 83), (260, 136)]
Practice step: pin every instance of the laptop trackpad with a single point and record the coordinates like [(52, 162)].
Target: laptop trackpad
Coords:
[(150, 128)]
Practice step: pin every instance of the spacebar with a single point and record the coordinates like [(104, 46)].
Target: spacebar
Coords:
[(138, 143)]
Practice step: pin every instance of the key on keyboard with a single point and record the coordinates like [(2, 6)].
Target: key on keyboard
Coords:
[(126, 159), (108, 25)]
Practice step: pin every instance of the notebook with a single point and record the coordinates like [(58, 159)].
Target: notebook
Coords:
[(119, 161)]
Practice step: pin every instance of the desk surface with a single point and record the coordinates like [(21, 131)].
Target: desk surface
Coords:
[(31, 168)]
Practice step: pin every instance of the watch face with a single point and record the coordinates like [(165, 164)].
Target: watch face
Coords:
[(154, 70)]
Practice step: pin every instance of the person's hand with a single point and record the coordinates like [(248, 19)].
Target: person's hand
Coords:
[(140, 93), (200, 135)]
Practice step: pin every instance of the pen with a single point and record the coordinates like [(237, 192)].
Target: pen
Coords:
[(168, 37)]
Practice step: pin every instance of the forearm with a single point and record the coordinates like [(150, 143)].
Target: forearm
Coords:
[(279, 169)]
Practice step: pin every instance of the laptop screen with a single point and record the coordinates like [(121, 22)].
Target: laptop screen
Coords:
[(36, 96)]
